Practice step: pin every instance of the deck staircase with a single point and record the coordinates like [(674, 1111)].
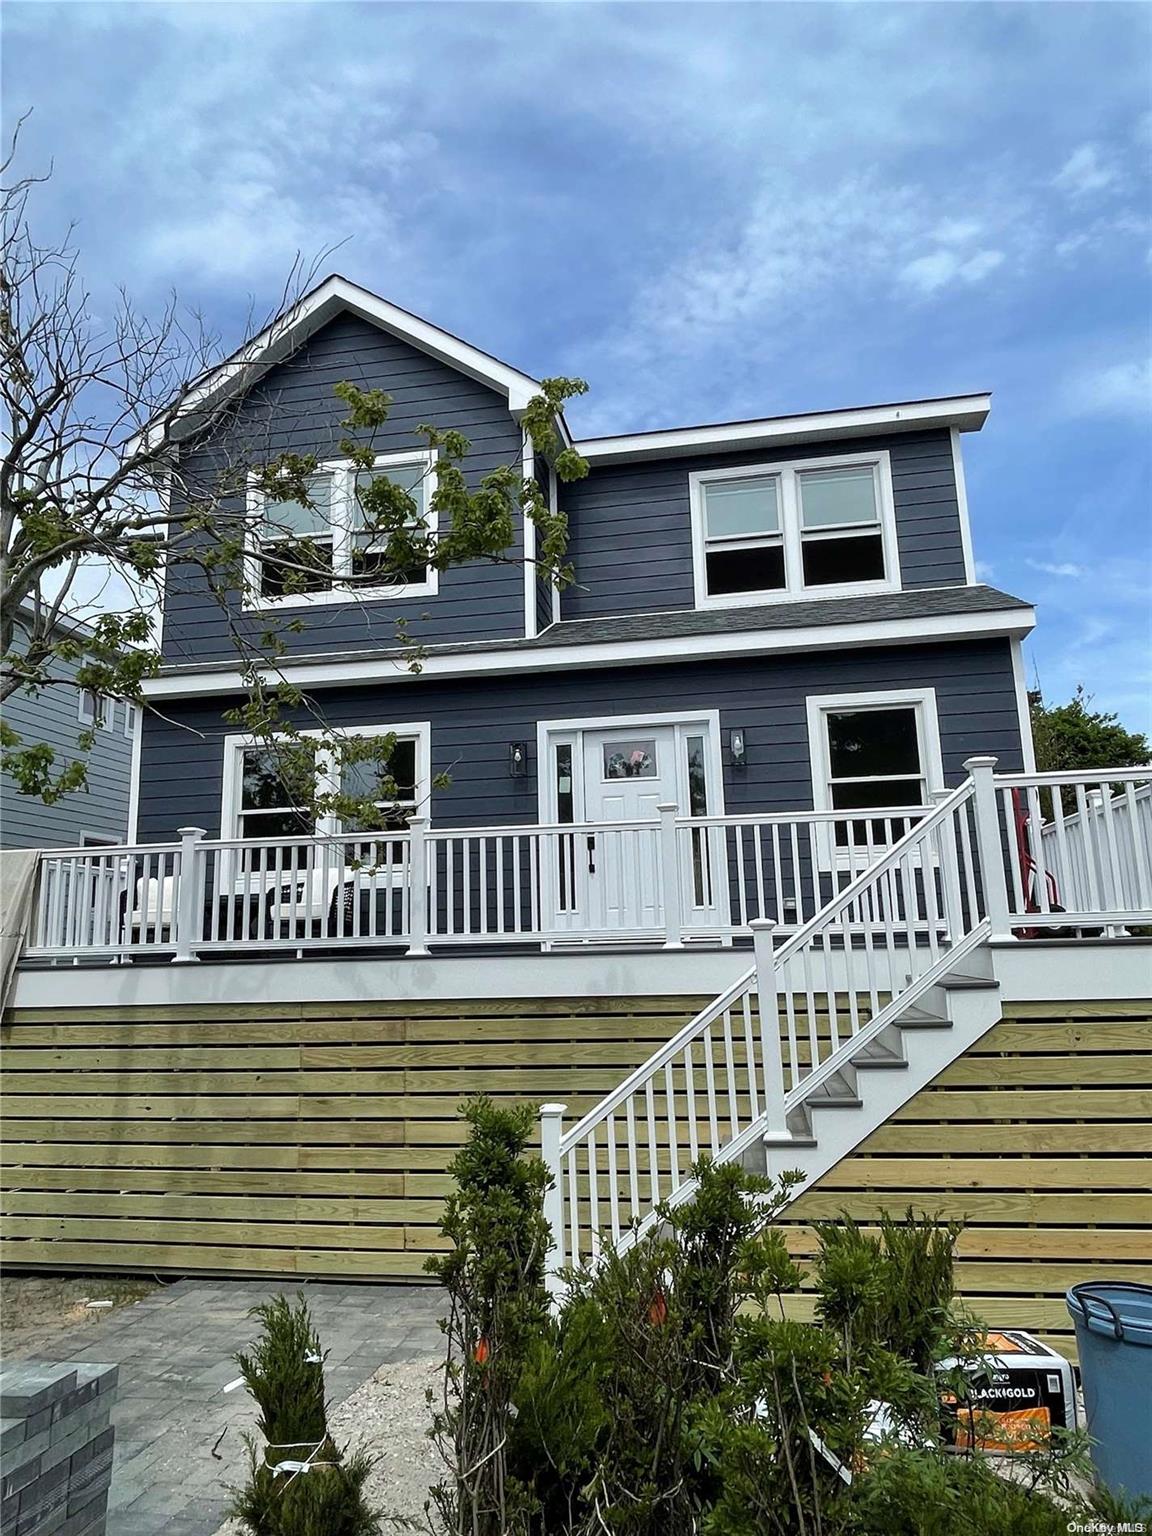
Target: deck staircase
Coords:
[(876, 1080), (812, 1049)]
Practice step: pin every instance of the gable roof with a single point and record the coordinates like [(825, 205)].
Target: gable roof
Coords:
[(337, 295)]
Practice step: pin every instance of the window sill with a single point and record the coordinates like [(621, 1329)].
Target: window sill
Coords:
[(342, 596), (794, 595)]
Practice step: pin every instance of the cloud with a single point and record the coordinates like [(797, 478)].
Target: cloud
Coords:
[(1112, 389), (1064, 568), (943, 268), (1086, 171)]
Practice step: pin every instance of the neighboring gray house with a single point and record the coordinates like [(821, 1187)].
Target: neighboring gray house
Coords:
[(90, 817)]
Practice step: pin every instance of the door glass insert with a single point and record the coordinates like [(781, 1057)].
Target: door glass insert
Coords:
[(630, 759), (698, 806), (565, 813)]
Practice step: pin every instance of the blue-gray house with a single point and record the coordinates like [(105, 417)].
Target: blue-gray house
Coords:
[(768, 617)]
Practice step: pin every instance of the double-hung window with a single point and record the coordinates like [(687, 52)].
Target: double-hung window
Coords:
[(874, 751), (325, 548), (813, 527), (270, 805), (264, 797), (294, 541)]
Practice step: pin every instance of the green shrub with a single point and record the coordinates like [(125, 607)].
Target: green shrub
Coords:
[(284, 1373), (498, 1311)]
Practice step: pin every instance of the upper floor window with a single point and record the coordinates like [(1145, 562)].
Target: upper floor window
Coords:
[(325, 549), (814, 527)]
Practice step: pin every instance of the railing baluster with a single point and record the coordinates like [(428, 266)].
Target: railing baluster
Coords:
[(593, 1193), (613, 1190), (653, 1149), (1143, 891), (573, 1209), (750, 1057), (850, 972), (797, 875), (761, 904), (730, 1064), (673, 1133), (1113, 861), (690, 1094), (710, 1085), (633, 1164), (534, 885), (779, 914)]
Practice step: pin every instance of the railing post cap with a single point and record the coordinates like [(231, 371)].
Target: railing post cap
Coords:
[(192, 831), (980, 762), (417, 821), (762, 924), (552, 1111), (672, 807)]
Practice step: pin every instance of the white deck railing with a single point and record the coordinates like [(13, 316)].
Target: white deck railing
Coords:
[(672, 880), (1082, 846), (1076, 854)]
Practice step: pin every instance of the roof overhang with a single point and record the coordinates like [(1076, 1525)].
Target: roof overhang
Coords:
[(512, 657), (967, 413), (338, 295)]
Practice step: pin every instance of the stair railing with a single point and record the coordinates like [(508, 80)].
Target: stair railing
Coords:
[(736, 1070)]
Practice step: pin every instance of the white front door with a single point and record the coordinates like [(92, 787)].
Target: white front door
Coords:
[(627, 776), (607, 877)]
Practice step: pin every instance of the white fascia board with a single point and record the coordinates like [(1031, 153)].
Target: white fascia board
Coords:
[(967, 413), (331, 297), (509, 661)]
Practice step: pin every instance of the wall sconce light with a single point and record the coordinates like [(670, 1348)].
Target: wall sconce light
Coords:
[(517, 759), (736, 747)]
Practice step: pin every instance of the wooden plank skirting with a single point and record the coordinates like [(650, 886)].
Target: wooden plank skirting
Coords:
[(313, 1139)]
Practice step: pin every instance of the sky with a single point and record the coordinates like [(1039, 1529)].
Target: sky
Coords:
[(708, 212)]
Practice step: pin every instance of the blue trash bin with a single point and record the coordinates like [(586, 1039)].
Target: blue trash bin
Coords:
[(1114, 1336)]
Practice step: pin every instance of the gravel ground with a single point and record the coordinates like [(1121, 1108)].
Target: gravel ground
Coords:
[(34, 1307), (388, 1416)]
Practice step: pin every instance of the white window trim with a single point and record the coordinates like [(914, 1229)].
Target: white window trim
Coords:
[(102, 713), (553, 733), (786, 471), (236, 744), (923, 700), (819, 706), (343, 473)]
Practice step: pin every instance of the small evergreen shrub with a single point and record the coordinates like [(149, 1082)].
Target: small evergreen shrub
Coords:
[(284, 1373)]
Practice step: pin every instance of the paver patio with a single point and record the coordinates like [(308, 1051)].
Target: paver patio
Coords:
[(178, 1434)]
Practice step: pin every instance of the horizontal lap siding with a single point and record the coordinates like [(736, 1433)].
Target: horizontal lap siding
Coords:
[(1040, 1139), (472, 724), (314, 1139), (631, 532), (98, 810), (294, 408)]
